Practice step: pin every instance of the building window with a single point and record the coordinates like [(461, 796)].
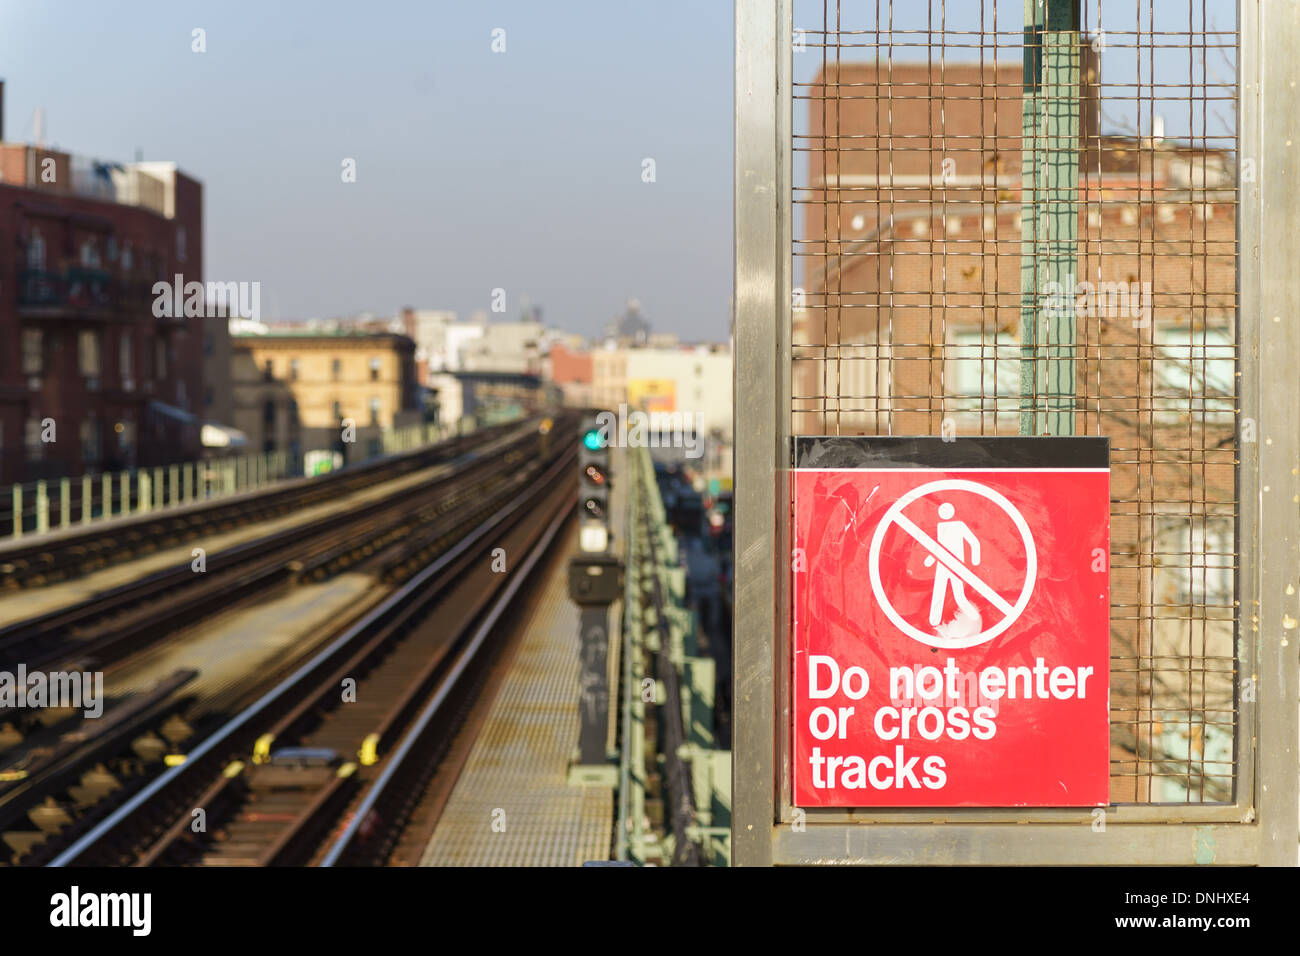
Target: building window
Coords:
[(128, 258), (36, 251), (295, 369), (375, 407), (88, 353), (1195, 559), (209, 396), (268, 412), (1195, 371), (159, 359), (336, 367), (268, 373), (338, 412), (126, 361), (33, 352), (983, 373), (89, 254), (374, 369), (182, 252), (90, 444), (32, 439), (182, 396)]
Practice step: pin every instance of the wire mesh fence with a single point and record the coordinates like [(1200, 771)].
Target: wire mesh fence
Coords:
[(1020, 218)]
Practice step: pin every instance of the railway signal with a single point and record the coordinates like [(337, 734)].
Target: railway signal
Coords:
[(593, 489), (595, 582)]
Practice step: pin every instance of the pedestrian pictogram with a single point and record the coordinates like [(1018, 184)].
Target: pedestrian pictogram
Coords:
[(954, 553), (953, 536)]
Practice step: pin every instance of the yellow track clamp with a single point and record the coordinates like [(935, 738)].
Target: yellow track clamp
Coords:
[(369, 752), (262, 749)]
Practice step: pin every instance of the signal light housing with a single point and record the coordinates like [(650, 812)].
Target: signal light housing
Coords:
[(593, 487)]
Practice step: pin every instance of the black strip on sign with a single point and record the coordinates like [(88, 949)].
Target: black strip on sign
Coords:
[(932, 451)]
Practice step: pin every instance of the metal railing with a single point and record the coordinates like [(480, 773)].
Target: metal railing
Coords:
[(57, 504), (665, 682)]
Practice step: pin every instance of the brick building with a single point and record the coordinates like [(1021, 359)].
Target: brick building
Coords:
[(292, 389), (907, 321), (83, 359)]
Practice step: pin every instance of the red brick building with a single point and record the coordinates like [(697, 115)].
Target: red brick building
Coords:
[(569, 366), (83, 359), (907, 320)]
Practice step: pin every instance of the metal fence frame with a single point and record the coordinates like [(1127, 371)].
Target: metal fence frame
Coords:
[(1261, 826)]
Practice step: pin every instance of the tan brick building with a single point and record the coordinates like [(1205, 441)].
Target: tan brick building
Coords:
[(308, 383)]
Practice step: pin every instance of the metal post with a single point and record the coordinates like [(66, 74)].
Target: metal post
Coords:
[(1269, 530), (65, 502), (106, 495), (42, 508), (144, 490), (18, 510), (595, 685), (762, 410), (1049, 218), (124, 490), (87, 499)]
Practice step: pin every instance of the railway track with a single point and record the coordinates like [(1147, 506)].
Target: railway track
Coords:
[(102, 628), (416, 536), (397, 654)]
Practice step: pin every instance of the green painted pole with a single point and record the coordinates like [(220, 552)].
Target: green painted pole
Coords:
[(1051, 129)]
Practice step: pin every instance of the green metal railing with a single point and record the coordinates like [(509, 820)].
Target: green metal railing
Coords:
[(661, 666), (40, 507)]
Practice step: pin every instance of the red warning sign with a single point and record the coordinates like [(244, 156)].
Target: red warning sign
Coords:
[(951, 622)]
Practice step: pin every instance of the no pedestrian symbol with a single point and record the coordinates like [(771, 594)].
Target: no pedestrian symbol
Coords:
[(954, 551)]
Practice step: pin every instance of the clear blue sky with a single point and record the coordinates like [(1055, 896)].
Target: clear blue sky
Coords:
[(475, 170)]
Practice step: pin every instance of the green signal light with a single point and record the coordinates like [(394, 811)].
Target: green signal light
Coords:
[(593, 440)]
